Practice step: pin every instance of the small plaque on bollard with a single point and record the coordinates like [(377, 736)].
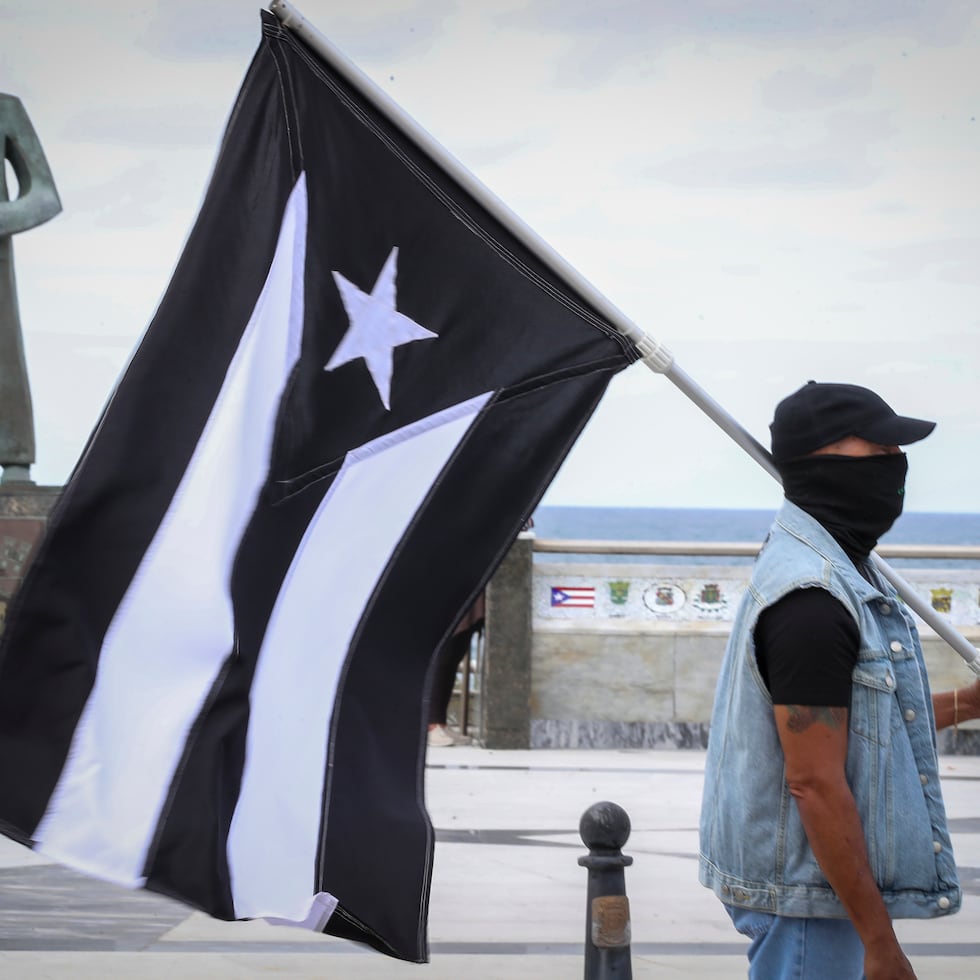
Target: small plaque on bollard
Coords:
[(610, 921)]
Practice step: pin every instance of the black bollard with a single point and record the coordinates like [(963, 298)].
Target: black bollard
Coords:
[(605, 828)]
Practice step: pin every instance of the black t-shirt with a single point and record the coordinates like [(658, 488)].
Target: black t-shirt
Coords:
[(806, 645)]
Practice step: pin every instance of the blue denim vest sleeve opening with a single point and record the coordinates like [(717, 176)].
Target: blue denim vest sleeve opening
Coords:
[(754, 852)]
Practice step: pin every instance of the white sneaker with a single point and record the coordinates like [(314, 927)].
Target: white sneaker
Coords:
[(440, 736)]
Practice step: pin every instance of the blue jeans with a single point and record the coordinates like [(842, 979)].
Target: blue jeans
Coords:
[(784, 948)]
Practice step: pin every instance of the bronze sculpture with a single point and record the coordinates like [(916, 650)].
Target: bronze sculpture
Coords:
[(36, 202)]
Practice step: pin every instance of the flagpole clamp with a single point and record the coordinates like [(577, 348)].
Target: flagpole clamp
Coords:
[(654, 354)]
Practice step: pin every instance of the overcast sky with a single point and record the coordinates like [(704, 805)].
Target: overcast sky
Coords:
[(777, 191)]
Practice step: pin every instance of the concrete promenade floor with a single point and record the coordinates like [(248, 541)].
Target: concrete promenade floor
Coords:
[(508, 896)]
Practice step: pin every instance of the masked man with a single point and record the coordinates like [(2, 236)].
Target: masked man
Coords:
[(823, 817)]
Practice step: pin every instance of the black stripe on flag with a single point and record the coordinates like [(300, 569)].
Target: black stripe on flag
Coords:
[(356, 388)]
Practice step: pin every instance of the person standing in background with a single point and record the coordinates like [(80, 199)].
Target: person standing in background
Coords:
[(445, 669)]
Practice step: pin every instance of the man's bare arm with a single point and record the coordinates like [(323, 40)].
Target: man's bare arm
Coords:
[(814, 742)]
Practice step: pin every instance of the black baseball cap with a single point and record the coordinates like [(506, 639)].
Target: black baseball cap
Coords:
[(821, 413)]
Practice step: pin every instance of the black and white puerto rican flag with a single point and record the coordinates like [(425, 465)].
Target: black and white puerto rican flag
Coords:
[(355, 390)]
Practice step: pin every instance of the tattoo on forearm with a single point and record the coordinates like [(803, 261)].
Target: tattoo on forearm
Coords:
[(802, 716)]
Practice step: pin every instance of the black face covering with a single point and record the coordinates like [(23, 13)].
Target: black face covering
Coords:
[(856, 498)]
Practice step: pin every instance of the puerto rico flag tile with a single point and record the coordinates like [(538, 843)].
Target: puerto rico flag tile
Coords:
[(581, 597)]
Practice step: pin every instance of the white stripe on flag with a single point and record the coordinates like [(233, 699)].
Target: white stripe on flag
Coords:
[(276, 828), (174, 628)]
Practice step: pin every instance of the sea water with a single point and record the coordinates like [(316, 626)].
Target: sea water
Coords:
[(696, 524)]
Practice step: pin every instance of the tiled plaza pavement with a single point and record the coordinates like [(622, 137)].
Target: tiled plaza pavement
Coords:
[(508, 896)]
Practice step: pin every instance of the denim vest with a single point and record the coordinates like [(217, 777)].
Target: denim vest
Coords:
[(754, 851)]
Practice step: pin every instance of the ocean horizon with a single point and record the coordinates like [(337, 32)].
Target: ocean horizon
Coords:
[(719, 524)]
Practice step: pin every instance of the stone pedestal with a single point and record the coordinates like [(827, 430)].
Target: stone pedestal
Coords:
[(24, 510), (505, 717)]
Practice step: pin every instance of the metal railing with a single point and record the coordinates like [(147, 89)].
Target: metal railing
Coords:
[(735, 549)]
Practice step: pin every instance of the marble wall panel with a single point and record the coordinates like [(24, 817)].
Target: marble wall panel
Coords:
[(614, 676)]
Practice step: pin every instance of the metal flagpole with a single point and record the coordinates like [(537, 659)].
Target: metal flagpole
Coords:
[(654, 354)]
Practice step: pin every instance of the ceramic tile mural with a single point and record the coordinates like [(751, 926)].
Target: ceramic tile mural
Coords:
[(702, 593)]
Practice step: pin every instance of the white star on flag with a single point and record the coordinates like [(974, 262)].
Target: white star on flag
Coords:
[(376, 327)]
